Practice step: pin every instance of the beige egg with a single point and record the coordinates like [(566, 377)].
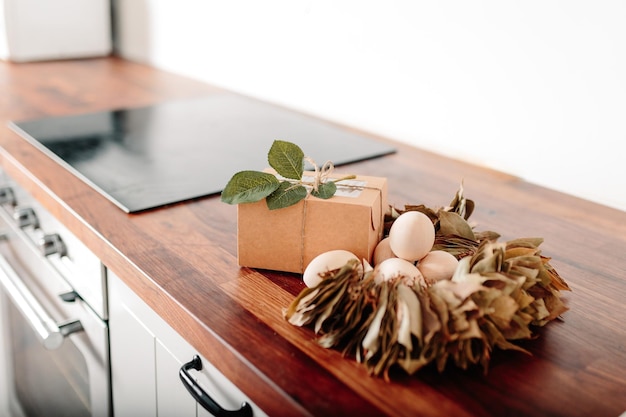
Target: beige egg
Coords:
[(412, 236), (382, 251), (398, 268), (325, 262), (437, 265)]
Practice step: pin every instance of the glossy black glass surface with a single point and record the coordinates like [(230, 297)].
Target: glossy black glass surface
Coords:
[(142, 158)]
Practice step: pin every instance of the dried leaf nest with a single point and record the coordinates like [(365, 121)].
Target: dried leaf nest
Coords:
[(499, 291)]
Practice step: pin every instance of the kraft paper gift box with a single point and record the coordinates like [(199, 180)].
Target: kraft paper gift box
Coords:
[(287, 239)]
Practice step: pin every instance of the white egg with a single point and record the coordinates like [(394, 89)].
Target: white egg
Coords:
[(325, 262), (412, 236), (437, 265), (382, 251), (398, 268)]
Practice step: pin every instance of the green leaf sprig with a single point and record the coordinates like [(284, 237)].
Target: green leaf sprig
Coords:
[(288, 161)]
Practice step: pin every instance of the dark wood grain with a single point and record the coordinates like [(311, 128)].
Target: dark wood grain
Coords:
[(181, 260)]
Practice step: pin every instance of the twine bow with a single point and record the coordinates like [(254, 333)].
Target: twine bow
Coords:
[(321, 174)]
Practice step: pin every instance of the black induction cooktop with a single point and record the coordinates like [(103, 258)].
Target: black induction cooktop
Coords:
[(142, 158)]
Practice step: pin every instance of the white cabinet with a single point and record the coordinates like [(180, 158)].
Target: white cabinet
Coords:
[(32, 30), (172, 398), (146, 358), (133, 371)]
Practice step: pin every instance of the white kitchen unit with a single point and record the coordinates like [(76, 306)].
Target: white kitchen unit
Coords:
[(34, 30), (146, 358)]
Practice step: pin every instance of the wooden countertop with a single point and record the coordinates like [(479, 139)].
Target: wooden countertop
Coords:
[(182, 261)]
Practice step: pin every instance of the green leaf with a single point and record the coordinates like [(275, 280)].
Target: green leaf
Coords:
[(287, 159), (286, 195), (249, 186), (326, 190)]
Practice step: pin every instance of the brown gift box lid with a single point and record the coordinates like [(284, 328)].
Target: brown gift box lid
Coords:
[(288, 239)]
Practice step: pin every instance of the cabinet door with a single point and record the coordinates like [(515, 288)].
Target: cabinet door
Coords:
[(133, 376), (146, 357), (172, 397)]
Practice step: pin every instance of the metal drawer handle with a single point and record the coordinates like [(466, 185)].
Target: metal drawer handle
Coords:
[(203, 398), (50, 333)]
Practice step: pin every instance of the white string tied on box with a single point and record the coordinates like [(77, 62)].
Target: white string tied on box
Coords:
[(321, 174)]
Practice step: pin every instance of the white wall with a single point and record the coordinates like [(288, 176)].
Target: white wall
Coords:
[(533, 88)]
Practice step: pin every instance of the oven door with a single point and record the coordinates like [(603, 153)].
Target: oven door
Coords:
[(54, 347)]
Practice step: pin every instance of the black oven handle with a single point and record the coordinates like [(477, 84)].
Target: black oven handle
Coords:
[(50, 333), (203, 398)]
